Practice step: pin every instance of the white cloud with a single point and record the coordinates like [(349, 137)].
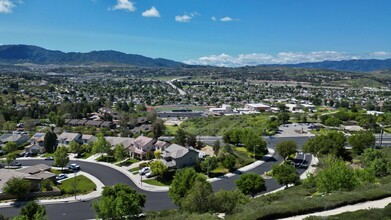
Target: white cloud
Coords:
[(6, 6), (226, 19), (213, 18), (183, 18), (126, 5), (153, 12), (280, 58), (380, 54), (186, 17)]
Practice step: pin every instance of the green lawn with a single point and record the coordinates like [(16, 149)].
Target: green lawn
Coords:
[(48, 155), (243, 157), (87, 155), (154, 182), (83, 186), (128, 162), (55, 171), (109, 159), (379, 214), (135, 169)]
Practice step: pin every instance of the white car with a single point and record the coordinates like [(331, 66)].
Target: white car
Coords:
[(149, 174), (61, 176), (74, 166), (144, 170)]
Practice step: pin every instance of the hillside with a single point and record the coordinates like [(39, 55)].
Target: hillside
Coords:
[(16, 54), (348, 65)]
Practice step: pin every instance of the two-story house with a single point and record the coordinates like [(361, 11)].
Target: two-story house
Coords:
[(140, 146), (177, 157)]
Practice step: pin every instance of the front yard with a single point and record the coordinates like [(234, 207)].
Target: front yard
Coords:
[(83, 186)]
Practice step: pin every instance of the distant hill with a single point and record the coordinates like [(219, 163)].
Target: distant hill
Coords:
[(16, 54), (347, 65)]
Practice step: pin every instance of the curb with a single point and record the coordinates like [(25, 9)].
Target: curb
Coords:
[(244, 169), (80, 198)]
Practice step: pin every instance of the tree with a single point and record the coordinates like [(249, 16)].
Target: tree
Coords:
[(216, 147), (210, 163), (253, 142), (335, 176), (181, 184), (9, 126), (119, 152), (17, 186), (283, 117), (361, 140), (180, 137), (376, 161), (158, 128), (251, 184), (101, 145), (198, 198), (191, 140), (330, 143), (285, 174), (158, 167), (119, 202), (61, 158), (225, 201), (286, 148), (157, 154), (50, 141), (75, 148), (151, 116), (10, 157), (229, 162), (333, 122), (33, 211), (10, 147)]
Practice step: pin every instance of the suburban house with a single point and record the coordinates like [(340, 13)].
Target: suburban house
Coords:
[(66, 138), (140, 146), (161, 145), (259, 107), (35, 149), (86, 138), (176, 156), (34, 174), (120, 140), (17, 138), (38, 139)]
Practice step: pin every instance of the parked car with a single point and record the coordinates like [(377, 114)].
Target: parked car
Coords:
[(15, 164), (49, 158), (61, 176), (74, 166), (144, 170), (149, 174)]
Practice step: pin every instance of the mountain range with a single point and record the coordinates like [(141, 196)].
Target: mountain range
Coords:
[(17, 54), (346, 65)]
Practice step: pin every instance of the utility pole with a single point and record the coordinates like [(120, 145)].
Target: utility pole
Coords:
[(381, 135)]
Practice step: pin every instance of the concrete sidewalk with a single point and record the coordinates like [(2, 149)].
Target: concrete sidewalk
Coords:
[(349, 208)]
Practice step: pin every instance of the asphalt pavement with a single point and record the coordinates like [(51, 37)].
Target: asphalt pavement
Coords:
[(155, 200)]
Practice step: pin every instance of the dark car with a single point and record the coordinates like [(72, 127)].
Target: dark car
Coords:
[(15, 164), (49, 158)]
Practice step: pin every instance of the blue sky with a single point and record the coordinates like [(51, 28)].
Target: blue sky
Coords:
[(217, 32)]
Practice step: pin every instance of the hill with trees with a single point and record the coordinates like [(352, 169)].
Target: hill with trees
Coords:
[(18, 54)]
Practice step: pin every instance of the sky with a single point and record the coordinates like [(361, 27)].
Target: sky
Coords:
[(207, 32)]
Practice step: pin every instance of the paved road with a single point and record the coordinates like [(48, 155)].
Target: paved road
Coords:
[(155, 200)]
